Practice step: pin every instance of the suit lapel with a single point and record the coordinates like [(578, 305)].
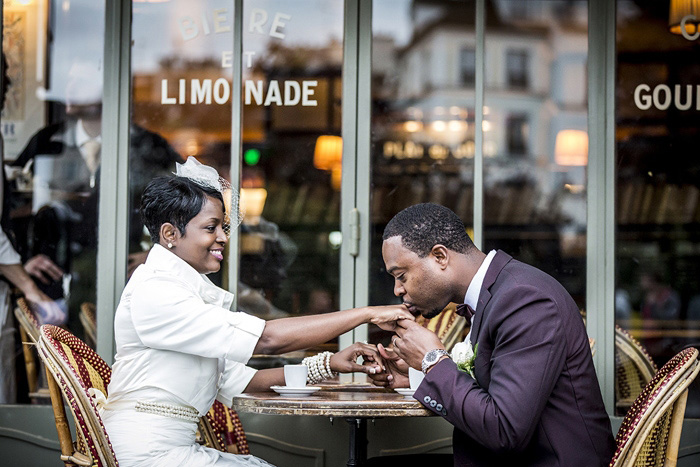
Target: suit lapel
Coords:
[(497, 264)]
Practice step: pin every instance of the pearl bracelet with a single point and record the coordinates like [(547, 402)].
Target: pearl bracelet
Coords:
[(319, 367)]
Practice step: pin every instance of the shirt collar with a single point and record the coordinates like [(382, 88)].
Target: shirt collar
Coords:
[(162, 259), (81, 135), (472, 296)]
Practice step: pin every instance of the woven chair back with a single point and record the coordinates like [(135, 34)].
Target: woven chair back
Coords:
[(650, 432), (75, 368), (29, 333), (448, 326), (226, 429), (634, 368)]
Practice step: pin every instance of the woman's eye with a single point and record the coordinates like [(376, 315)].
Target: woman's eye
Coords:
[(210, 228)]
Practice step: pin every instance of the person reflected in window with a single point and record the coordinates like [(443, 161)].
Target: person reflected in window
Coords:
[(661, 302), (179, 347), (65, 159), (13, 273)]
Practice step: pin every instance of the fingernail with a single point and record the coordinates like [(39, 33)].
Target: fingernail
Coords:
[(372, 371), (390, 378)]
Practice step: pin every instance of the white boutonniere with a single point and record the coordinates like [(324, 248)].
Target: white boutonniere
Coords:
[(463, 355)]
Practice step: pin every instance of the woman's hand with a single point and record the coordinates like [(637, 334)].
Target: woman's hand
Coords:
[(395, 374), (386, 316), (345, 361)]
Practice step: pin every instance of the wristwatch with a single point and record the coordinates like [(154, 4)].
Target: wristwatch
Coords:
[(432, 357)]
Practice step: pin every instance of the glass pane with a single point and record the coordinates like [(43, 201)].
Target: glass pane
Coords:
[(423, 70), (657, 296), (51, 126), (535, 136), (292, 149)]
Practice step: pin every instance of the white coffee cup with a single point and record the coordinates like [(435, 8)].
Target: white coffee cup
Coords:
[(295, 375), (415, 377)]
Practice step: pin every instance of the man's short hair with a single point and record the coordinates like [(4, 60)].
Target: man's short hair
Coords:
[(175, 200), (422, 226)]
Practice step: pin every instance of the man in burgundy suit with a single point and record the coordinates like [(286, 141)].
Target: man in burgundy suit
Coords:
[(534, 399)]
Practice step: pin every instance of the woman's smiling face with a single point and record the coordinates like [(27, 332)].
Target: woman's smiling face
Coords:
[(202, 245)]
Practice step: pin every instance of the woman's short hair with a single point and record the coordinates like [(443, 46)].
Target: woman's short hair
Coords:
[(175, 200), (422, 226)]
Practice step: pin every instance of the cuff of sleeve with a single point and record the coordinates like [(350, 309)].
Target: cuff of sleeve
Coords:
[(242, 377), (247, 331)]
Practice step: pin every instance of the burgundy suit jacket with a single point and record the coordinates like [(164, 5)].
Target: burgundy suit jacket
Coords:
[(535, 400)]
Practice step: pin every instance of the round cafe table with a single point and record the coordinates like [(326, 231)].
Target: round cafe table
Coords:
[(356, 404)]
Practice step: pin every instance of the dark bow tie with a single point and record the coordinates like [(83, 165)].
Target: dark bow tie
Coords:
[(465, 310)]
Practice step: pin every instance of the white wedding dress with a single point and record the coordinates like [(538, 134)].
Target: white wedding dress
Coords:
[(178, 345)]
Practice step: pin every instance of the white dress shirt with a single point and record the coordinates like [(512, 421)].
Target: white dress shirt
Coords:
[(471, 298), (175, 333)]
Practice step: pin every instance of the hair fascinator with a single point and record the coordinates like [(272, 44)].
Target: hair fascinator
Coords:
[(208, 177)]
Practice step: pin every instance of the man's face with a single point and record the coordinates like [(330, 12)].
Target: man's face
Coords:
[(421, 283)]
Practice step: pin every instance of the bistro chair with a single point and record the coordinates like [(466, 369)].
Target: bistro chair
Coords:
[(650, 432), (88, 320), (634, 368), (448, 326), (73, 369), (29, 333)]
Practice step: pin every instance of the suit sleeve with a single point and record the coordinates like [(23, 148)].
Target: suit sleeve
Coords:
[(527, 358)]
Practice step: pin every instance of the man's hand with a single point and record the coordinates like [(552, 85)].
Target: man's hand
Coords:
[(413, 341), (395, 374), (386, 316), (45, 270), (49, 311), (345, 361)]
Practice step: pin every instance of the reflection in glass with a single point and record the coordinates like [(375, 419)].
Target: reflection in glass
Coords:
[(657, 288), (534, 174), (51, 129), (423, 69), (291, 117)]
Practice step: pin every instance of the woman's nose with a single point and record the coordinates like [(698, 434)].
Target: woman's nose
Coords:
[(221, 236)]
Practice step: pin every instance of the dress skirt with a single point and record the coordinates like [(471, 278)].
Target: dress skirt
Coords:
[(142, 439)]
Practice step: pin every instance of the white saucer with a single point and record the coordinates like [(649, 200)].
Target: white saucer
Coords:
[(295, 392), (408, 392)]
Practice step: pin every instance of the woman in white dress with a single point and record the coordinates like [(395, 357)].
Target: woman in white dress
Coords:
[(179, 347)]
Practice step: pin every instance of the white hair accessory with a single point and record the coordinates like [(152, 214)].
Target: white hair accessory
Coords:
[(208, 177)]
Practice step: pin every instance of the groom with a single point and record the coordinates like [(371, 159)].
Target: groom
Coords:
[(534, 399)]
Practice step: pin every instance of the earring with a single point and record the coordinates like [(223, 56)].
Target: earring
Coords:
[(170, 245)]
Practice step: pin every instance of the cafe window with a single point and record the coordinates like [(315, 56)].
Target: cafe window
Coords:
[(535, 148), (291, 151), (51, 127), (657, 211), (517, 63)]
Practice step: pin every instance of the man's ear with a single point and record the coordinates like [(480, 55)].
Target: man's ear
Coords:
[(441, 255), (169, 233)]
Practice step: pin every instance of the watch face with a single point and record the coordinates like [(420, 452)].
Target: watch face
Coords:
[(432, 356)]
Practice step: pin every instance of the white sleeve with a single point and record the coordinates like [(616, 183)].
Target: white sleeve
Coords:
[(8, 255), (169, 315), (234, 380)]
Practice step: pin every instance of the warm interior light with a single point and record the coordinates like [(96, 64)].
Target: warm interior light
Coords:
[(328, 152), (253, 203), (412, 126), (571, 148), (680, 9)]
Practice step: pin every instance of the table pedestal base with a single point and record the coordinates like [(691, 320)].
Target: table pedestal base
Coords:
[(358, 441)]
